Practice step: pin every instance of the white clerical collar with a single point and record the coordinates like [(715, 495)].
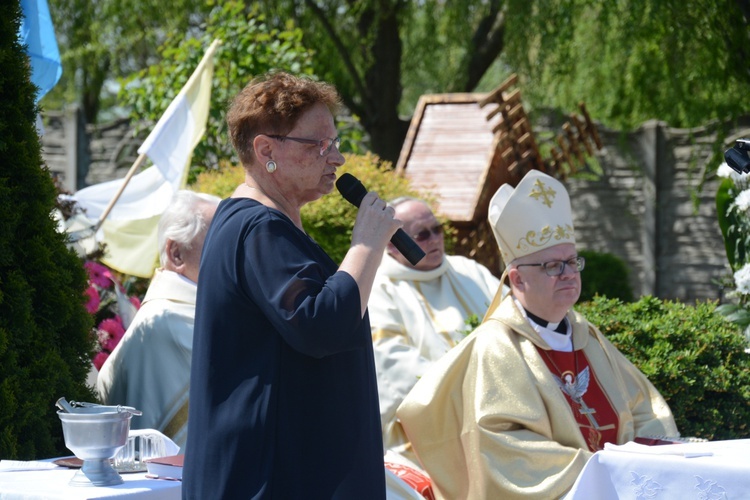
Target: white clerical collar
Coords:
[(393, 269), (557, 341), (181, 277)]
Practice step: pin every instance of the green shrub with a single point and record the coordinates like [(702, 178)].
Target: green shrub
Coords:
[(221, 182), (328, 221), (605, 274), (693, 356), (45, 344)]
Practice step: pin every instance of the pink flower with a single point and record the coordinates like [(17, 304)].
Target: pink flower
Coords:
[(103, 298), (98, 274), (110, 333), (114, 327), (111, 344), (100, 358), (94, 300)]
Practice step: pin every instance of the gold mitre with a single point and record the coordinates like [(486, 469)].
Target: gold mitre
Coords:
[(533, 216)]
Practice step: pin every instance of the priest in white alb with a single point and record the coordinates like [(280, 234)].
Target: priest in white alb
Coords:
[(150, 367), (518, 407), (419, 312)]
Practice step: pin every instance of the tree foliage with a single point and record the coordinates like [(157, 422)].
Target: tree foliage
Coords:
[(105, 39), (249, 48), (684, 62), (372, 50), (44, 328)]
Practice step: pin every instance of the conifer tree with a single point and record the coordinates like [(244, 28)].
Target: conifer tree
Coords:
[(45, 339)]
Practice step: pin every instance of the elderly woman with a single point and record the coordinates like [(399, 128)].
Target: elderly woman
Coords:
[(283, 398)]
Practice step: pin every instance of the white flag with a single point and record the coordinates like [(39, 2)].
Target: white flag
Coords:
[(147, 194), (170, 144), (129, 231)]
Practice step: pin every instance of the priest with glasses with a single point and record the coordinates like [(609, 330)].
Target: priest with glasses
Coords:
[(518, 407)]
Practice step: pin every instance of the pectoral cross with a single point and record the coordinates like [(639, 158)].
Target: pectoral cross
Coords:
[(587, 412), (576, 387)]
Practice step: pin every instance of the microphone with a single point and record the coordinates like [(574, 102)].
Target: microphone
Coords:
[(353, 191)]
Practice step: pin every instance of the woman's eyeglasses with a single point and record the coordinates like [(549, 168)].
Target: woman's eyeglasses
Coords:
[(557, 267), (426, 234), (325, 145)]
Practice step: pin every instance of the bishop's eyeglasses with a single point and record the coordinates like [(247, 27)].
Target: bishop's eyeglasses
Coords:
[(557, 267), (325, 145)]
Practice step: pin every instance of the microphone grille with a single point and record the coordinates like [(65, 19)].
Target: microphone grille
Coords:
[(351, 189)]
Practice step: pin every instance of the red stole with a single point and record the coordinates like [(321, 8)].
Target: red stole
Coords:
[(591, 407)]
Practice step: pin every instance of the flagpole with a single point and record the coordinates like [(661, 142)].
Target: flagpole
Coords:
[(207, 57), (136, 165), (142, 157)]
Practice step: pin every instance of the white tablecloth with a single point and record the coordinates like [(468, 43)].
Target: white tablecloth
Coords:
[(53, 485), (712, 470)]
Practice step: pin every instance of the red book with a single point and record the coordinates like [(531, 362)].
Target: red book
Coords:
[(166, 467)]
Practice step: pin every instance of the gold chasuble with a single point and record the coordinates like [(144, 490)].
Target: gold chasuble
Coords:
[(490, 420)]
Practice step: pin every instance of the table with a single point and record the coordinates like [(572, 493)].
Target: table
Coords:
[(710, 470), (53, 485)]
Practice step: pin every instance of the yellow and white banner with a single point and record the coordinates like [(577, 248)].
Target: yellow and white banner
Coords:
[(128, 216)]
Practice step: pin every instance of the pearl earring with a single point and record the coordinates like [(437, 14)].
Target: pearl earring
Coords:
[(271, 166)]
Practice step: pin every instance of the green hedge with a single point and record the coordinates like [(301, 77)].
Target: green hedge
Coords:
[(45, 341), (690, 353), (605, 274)]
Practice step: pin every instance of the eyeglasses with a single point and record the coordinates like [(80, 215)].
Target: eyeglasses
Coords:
[(325, 145), (426, 234), (557, 267)]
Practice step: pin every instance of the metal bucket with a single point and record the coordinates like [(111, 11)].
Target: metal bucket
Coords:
[(95, 434)]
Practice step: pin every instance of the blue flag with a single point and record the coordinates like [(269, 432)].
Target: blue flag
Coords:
[(38, 34)]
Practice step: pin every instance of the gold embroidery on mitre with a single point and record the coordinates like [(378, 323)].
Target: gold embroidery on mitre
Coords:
[(563, 233), (535, 240), (540, 190)]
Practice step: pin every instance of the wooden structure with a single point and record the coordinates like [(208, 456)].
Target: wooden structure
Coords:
[(462, 147)]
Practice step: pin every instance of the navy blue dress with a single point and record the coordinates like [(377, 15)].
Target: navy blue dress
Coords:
[(283, 395)]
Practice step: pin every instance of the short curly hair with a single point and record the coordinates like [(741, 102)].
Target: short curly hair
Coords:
[(272, 104)]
